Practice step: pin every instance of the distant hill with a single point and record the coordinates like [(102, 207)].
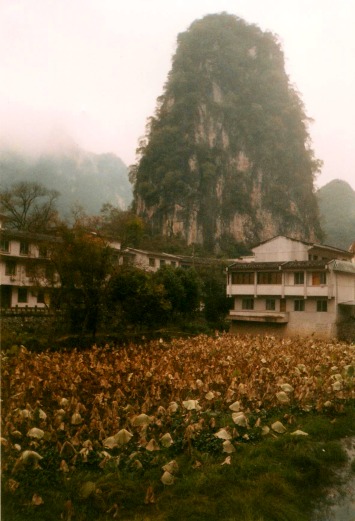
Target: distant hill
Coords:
[(336, 202), (81, 177)]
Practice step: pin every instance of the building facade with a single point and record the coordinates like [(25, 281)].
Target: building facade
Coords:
[(26, 273), (290, 287)]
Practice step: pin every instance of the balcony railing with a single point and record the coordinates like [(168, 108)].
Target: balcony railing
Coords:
[(281, 290), (260, 316)]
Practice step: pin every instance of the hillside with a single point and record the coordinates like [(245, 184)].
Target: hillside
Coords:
[(226, 159), (81, 177), (337, 213)]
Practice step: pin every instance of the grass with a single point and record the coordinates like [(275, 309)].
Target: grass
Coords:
[(276, 478)]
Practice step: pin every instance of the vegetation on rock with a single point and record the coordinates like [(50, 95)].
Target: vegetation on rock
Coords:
[(227, 154)]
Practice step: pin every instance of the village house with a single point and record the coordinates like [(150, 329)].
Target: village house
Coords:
[(290, 287)]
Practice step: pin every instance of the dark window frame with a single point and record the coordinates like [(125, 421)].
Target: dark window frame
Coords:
[(24, 248), (270, 277), (243, 277), (10, 268), (247, 304), (270, 304), (299, 305), (322, 306), (4, 245), (319, 278), (22, 295), (298, 278)]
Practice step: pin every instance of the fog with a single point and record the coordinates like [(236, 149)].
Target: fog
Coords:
[(88, 72)]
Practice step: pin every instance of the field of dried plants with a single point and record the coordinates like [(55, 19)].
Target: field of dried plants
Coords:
[(138, 408)]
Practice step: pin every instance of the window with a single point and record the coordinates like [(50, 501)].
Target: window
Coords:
[(318, 278), (49, 272), (248, 303), (173, 264), (40, 297), (283, 305), (243, 278), (151, 262), (24, 248), (322, 305), (22, 295), (162, 262), (5, 245), (10, 268), (298, 305), (42, 252), (270, 277), (298, 277), (270, 304)]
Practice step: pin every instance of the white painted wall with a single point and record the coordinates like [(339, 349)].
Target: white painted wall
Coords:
[(281, 249)]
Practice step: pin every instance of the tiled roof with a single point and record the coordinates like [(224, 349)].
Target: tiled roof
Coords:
[(274, 266)]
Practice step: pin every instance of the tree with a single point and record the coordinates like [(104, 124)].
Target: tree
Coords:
[(137, 299), (29, 206), (182, 289), (83, 261), (121, 224), (216, 303)]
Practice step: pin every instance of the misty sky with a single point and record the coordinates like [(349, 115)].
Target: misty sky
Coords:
[(92, 69)]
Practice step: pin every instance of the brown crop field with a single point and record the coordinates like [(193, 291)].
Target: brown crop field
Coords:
[(138, 408)]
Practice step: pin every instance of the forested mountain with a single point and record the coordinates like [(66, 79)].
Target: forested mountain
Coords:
[(337, 212), (81, 177), (226, 158)]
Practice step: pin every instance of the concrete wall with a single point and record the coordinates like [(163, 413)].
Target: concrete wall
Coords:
[(301, 323), (281, 249)]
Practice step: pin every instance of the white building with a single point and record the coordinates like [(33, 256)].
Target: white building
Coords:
[(26, 273), (292, 287), (149, 260)]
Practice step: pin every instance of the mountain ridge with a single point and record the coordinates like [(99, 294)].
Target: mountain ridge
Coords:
[(82, 178), (336, 202)]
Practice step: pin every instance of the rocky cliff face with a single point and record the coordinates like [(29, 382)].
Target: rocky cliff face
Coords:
[(226, 157)]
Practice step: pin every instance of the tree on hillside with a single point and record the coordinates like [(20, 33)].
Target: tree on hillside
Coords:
[(29, 206)]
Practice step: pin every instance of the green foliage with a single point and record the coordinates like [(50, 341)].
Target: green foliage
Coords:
[(227, 94), (216, 303), (83, 262), (172, 280), (271, 479), (136, 298), (124, 224)]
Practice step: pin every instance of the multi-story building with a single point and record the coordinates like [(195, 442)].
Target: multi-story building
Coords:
[(292, 287), (26, 273)]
